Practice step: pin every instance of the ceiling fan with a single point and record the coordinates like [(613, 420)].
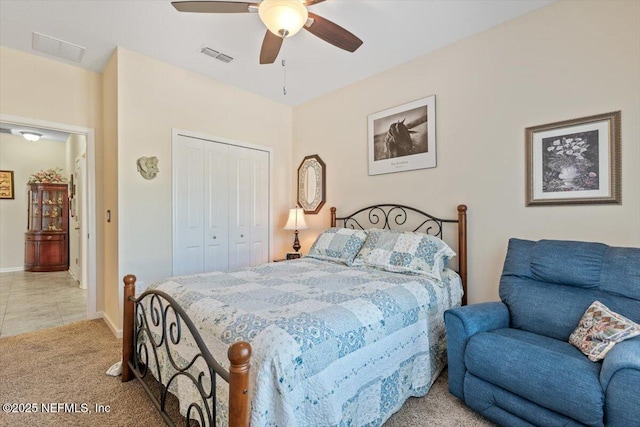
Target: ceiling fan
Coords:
[(283, 18)]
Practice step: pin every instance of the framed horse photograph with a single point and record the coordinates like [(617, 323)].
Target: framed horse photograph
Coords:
[(403, 138)]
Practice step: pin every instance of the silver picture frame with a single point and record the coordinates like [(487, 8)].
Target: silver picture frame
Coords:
[(574, 161), (403, 138)]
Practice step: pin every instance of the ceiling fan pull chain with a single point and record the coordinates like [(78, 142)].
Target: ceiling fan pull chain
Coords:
[(284, 77)]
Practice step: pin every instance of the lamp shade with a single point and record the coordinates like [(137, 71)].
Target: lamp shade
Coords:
[(296, 220), (283, 18)]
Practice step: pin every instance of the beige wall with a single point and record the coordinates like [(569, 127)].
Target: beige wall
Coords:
[(45, 90), (110, 159), (23, 158), (568, 60), (152, 99)]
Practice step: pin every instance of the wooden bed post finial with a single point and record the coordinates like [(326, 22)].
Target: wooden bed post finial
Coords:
[(239, 354), (127, 326), (462, 249), (333, 216)]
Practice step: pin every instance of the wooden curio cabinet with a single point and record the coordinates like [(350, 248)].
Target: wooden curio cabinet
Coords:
[(46, 246)]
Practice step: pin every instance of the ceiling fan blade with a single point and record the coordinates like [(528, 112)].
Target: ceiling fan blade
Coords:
[(333, 33), (270, 48), (212, 6), (311, 2)]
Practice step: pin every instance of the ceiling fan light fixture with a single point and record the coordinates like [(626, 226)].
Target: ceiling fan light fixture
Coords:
[(283, 18), (31, 136)]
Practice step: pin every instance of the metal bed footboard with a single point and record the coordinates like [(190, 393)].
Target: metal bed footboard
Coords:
[(168, 320)]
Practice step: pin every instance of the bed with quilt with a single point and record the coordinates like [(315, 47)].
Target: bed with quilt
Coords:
[(340, 337)]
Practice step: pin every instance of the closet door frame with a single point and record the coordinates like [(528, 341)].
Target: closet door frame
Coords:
[(175, 133)]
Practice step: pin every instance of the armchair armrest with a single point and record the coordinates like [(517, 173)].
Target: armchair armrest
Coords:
[(624, 355), (461, 324), (620, 380)]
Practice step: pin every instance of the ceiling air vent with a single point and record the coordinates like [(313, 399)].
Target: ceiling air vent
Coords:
[(56, 47), (215, 54)]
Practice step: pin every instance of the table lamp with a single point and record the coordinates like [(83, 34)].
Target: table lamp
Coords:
[(296, 222)]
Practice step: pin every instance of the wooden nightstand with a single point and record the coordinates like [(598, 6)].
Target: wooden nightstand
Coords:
[(289, 256)]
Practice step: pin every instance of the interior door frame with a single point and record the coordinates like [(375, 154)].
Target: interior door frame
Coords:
[(89, 246), (82, 161), (175, 133)]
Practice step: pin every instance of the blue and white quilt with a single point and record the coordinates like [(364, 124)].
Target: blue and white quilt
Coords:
[(331, 345)]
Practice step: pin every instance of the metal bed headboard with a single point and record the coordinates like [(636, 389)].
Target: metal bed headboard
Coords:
[(390, 216)]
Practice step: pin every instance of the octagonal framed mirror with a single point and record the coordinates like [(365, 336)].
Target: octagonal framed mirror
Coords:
[(311, 184)]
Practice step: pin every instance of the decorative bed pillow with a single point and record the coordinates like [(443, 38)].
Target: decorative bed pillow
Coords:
[(600, 329), (373, 235), (338, 245), (405, 252)]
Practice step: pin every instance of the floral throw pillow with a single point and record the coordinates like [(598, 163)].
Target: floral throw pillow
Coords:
[(338, 245), (405, 252), (600, 329)]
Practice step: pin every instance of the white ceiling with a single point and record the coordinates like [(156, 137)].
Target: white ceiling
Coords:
[(393, 32)]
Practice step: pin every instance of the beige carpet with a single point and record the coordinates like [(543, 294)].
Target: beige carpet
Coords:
[(67, 365)]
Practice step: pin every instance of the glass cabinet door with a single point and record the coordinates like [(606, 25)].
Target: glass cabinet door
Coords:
[(52, 205), (34, 211), (46, 209)]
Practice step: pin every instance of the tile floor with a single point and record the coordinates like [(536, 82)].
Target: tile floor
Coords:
[(34, 301)]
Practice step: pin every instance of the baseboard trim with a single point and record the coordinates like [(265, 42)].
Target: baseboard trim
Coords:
[(11, 269), (117, 332), (73, 275), (97, 315)]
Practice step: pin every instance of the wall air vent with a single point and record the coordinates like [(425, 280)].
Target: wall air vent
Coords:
[(58, 48), (215, 54)]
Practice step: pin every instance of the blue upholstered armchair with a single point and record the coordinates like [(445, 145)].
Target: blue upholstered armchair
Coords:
[(511, 360)]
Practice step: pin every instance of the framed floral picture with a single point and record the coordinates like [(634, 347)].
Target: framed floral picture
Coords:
[(574, 162)]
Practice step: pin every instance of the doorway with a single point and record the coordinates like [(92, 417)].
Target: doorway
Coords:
[(77, 216), (88, 246)]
